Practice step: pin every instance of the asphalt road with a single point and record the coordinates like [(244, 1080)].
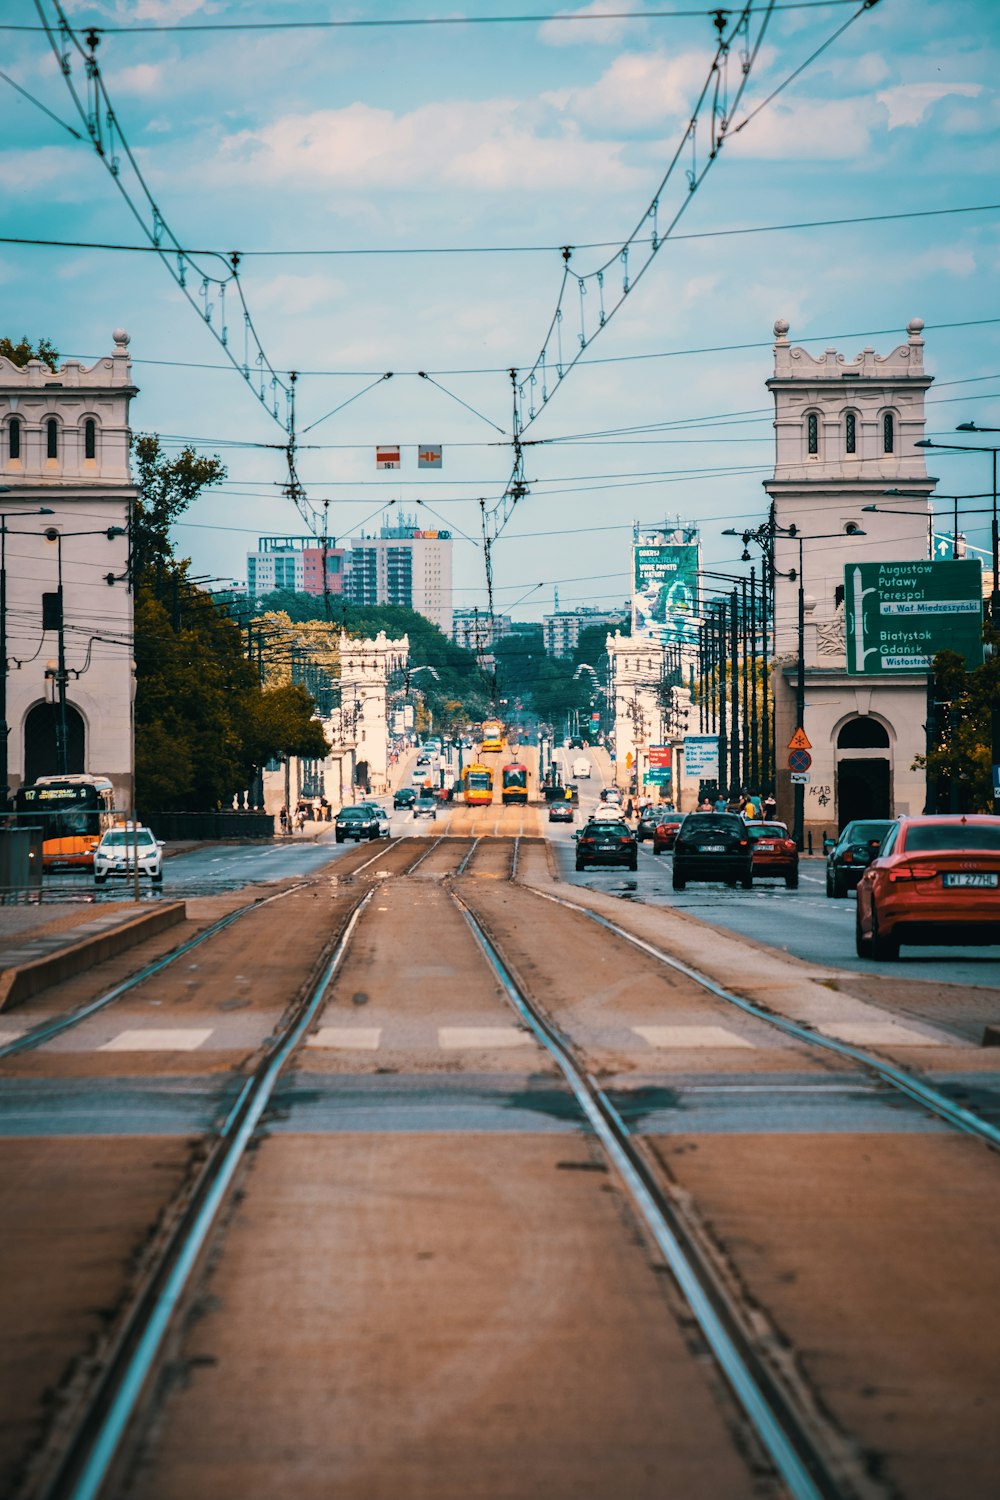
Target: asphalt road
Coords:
[(805, 923)]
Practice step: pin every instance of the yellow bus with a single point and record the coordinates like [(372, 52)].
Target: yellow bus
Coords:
[(492, 740), (73, 811)]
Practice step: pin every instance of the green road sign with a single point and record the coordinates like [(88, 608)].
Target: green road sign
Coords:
[(900, 615)]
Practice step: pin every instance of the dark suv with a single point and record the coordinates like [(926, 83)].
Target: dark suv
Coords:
[(850, 856), (607, 841), (356, 823), (713, 846)]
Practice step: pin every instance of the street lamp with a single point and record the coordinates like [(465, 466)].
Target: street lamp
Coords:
[(42, 510), (793, 575)]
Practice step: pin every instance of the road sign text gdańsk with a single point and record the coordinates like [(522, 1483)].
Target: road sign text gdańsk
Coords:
[(899, 615)]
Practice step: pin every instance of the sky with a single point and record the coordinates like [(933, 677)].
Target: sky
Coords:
[(400, 196)]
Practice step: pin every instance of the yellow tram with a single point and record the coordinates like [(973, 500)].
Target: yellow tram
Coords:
[(477, 785)]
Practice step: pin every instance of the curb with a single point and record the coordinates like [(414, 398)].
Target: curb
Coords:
[(19, 983)]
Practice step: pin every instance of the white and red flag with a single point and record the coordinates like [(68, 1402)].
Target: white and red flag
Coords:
[(387, 456)]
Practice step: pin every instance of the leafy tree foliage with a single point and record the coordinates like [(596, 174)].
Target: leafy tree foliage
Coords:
[(203, 723), (21, 352), (458, 694), (961, 765)]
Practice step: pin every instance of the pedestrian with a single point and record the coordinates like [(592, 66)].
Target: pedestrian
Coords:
[(770, 807), (704, 805), (721, 802), (628, 808), (283, 819), (301, 819)]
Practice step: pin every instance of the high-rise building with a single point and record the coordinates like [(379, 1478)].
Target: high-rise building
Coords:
[(294, 563), (476, 631), (406, 565), (561, 630)]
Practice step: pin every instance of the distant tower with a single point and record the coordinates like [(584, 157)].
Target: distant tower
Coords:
[(845, 433)]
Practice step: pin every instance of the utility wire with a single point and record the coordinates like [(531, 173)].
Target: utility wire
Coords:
[(399, 22), (383, 250)]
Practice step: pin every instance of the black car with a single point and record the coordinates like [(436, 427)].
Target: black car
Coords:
[(848, 859), (713, 846), (560, 812), (404, 797), (425, 806), (609, 841), (356, 823)]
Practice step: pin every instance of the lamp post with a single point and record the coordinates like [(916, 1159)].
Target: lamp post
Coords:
[(991, 449), (42, 510)]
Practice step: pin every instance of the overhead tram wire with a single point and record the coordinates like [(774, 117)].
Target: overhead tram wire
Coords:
[(389, 250), (400, 22), (111, 145)]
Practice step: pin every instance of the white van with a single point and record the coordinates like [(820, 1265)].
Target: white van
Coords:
[(581, 768)]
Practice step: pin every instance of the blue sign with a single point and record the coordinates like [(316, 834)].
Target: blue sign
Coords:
[(701, 756)]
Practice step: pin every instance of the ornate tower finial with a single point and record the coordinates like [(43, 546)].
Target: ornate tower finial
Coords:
[(122, 340), (781, 326)]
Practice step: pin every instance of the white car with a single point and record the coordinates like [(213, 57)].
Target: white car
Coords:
[(116, 854), (581, 768)]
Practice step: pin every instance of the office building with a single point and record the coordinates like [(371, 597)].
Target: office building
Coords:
[(295, 564), (405, 565)]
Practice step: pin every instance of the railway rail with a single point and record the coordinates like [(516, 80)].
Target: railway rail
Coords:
[(812, 1457)]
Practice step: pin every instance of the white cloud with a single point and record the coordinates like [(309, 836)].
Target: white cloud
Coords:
[(31, 169), (582, 33), (296, 294), (808, 130), (144, 78), (951, 260), (640, 88), (908, 103), (488, 145)]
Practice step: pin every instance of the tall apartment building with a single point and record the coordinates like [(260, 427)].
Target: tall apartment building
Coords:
[(561, 631), (404, 565), (475, 631), (294, 563)]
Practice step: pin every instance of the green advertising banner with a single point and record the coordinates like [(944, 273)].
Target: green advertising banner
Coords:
[(900, 615), (665, 591)]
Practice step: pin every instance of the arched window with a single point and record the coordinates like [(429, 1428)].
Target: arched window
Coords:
[(812, 432), (90, 438), (863, 733), (14, 438), (51, 438), (851, 432), (888, 433)]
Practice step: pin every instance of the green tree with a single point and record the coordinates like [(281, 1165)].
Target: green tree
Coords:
[(203, 724), (961, 763), (21, 352)]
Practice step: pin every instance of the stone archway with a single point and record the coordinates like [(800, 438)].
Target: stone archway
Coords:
[(40, 756), (864, 771)]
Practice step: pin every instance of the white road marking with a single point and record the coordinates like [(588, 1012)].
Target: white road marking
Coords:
[(452, 1038), (151, 1040), (889, 1034), (347, 1038), (690, 1036)]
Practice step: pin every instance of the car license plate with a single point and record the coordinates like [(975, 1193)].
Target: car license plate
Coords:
[(713, 848), (987, 881), (766, 848)]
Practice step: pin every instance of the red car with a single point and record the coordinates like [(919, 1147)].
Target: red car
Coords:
[(936, 880), (665, 833), (775, 855)]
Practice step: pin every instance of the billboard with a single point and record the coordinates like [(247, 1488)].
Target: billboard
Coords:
[(665, 591), (900, 615), (701, 756)]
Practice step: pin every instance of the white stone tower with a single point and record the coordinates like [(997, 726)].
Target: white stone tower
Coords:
[(64, 451), (845, 435)]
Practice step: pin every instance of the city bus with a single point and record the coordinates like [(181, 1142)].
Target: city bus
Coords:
[(477, 785), (73, 812), (492, 737), (515, 785)]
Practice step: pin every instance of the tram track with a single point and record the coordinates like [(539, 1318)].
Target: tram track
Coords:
[(810, 1455), (813, 1458), (902, 1081)]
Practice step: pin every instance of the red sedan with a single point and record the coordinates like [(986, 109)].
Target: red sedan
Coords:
[(775, 854), (665, 833), (937, 880)]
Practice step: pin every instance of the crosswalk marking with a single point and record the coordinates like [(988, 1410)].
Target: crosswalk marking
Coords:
[(347, 1038), (453, 1038), (157, 1040), (691, 1036), (886, 1034)]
